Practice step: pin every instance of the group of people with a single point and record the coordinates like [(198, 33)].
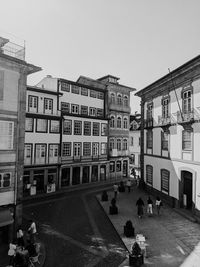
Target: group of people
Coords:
[(116, 187), (25, 246), (140, 206)]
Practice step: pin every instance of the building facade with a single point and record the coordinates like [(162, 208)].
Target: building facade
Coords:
[(134, 147), (13, 77), (170, 134)]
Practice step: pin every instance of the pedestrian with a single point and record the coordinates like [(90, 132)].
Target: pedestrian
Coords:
[(33, 231), (140, 205), (158, 204), (20, 237), (149, 206), (12, 253), (115, 188), (128, 184)]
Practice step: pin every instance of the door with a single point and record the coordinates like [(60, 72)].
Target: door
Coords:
[(187, 188)]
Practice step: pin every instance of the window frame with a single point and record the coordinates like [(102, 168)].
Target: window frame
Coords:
[(35, 154), (96, 131), (9, 137), (86, 149), (149, 181), (50, 124), (65, 109), (64, 88), (49, 100), (82, 109), (112, 121), (184, 147), (63, 130), (78, 144), (119, 122), (29, 101), (32, 128), (74, 109), (104, 150), (79, 128), (2, 179), (163, 189), (43, 131), (149, 141), (75, 89), (84, 91), (65, 149)]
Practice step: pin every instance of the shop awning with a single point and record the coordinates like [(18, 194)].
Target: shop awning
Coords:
[(5, 217)]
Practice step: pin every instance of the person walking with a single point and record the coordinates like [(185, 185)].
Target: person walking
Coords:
[(158, 204), (33, 231), (20, 237), (12, 253), (140, 205), (128, 184), (115, 188), (150, 206)]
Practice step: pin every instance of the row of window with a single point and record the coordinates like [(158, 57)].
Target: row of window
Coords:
[(81, 110), (83, 149), (5, 179), (186, 105), (84, 128), (75, 89), (42, 125), (119, 99), (40, 152), (118, 122), (118, 143), (33, 104), (164, 175), (186, 140)]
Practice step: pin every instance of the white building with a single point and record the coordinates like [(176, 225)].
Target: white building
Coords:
[(134, 147), (170, 136)]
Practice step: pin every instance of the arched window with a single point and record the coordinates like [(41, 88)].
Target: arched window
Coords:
[(126, 101), (119, 99), (119, 144), (125, 123), (125, 144), (112, 144), (112, 122), (119, 122), (112, 98)]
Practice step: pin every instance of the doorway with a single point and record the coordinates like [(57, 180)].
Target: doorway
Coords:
[(186, 178)]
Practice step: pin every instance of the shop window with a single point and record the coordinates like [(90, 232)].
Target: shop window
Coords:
[(119, 166), (65, 177), (94, 177)]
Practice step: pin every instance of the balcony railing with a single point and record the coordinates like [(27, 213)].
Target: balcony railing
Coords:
[(35, 111), (162, 121), (11, 49), (185, 117)]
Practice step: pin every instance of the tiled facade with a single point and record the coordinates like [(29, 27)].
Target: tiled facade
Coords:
[(170, 136)]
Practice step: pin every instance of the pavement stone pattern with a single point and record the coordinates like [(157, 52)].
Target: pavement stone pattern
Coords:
[(172, 240)]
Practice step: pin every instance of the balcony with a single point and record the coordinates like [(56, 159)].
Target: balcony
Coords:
[(164, 121), (118, 153), (185, 117), (35, 111), (120, 108), (11, 49)]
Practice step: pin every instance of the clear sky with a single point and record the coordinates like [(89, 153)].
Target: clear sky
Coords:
[(136, 40)]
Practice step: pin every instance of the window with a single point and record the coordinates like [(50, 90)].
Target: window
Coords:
[(125, 144), (187, 140), (84, 91), (41, 126), (32, 103), (126, 101), (53, 153), (67, 127), (132, 159), (65, 87), (84, 110), (165, 108), (99, 112), (112, 122), (96, 128), (132, 141), (93, 111), (66, 149), (187, 101), (75, 89), (95, 149), (149, 174), (75, 109), (119, 99), (28, 154), (48, 106), (65, 107), (118, 166), (119, 144), (164, 140), (165, 180), (112, 166), (29, 125), (87, 128), (112, 98), (149, 139), (77, 149), (93, 93), (77, 127), (149, 111), (6, 135), (54, 126), (104, 129), (5, 179), (112, 144), (100, 95), (119, 122), (103, 148), (40, 153), (86, 149), (125, 123)]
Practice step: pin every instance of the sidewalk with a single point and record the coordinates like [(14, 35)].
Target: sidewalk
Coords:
[(163, 248)]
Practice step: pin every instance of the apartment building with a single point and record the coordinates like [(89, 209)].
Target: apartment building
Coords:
[(13, 77), (134, 147), (170, 136), (42, 142), (84, 132), (118, 110)]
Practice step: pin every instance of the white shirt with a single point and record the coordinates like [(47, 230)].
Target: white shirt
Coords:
[(158, 202), (12, 248), (32, 228), (19, 233)]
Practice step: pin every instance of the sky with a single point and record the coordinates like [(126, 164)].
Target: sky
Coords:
[(135, 40)]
